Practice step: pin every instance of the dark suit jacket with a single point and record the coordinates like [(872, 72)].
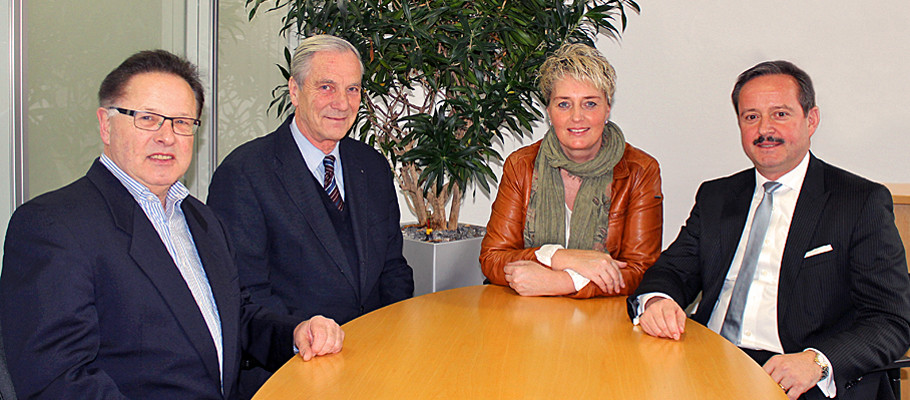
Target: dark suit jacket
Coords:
[(287, 251), (852, 303), (93, 306), (6, 384)]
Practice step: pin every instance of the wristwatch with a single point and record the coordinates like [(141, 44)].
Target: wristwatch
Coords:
[(823, 365)]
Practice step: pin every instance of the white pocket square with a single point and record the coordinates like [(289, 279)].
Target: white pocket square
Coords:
[(818, 250)]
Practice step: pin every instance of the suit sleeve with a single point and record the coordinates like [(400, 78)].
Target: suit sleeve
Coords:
[(642, 233), (504, 241), (397, 278), (880, 294), (232, 197), (266, 337), (50, 323), (677, 271)]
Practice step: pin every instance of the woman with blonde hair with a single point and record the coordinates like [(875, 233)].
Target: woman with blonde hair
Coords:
[(578, 213)]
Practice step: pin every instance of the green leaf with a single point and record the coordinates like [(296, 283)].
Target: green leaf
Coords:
[(444, 80)]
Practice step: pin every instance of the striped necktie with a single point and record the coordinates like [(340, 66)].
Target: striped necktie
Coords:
[(329, 183)]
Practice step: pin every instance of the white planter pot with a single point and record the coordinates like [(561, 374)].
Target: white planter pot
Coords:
[(443, 265)]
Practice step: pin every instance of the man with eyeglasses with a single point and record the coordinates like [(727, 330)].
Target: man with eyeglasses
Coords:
[(122, 285)]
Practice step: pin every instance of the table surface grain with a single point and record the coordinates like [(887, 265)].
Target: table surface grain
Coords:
[(486, 342)]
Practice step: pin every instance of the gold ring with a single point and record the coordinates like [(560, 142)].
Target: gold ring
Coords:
[(782, 387)]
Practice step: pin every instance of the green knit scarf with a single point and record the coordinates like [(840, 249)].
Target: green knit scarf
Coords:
[(545, 223)]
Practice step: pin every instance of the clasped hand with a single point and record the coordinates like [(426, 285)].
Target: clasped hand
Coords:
[(598, 267), (663, 318), (796, 373), (318, 336), (530, 278)]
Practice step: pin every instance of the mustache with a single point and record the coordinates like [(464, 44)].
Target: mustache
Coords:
[(772, 139)]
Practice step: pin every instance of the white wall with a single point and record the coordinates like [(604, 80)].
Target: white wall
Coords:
[(678, 60)]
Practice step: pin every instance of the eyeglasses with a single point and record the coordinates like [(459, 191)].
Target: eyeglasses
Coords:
[(149, 121)]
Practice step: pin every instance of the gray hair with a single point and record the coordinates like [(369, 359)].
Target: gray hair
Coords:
[(303, 56)]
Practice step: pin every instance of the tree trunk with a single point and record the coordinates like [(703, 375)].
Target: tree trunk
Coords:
[(455, 208), (407, 181)]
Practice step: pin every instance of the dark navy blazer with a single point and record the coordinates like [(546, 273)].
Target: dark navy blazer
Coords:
[(93, 306), (287, 249)]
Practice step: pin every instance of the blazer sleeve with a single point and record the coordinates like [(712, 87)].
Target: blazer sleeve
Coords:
[(396, 281), (504, 241), (50, 323), (677, 271), (880, 293), (234, 200), (642, 232), (265, 336)]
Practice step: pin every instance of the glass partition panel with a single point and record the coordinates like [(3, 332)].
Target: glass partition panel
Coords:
[(71, 46), (247, 54)]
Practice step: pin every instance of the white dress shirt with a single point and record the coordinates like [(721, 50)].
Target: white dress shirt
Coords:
[(313, 157), (759, 323)]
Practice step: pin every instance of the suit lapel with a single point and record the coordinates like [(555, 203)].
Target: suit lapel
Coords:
[(221, 281), (153, 259), (809, 206), (733, 216), (295, 177)]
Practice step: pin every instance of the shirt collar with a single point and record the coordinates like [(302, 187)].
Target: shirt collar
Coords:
[(792, 180), (175, 194), (311, 155)]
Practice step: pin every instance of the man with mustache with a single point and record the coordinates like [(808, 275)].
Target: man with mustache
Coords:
[(314, 214), (799, 263)]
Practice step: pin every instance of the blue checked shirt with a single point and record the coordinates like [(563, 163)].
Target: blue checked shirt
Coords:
[(170, 223)]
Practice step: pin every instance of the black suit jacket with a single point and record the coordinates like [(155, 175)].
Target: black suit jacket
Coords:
[(852, 303), (6, 385), (287, 251), (93, 306)]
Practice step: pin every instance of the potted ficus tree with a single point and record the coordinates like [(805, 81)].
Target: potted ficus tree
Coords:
[(445, 80)]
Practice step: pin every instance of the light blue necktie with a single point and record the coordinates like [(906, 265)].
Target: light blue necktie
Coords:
[(733, 319)]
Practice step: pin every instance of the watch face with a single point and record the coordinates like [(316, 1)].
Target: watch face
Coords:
[(821, 365)]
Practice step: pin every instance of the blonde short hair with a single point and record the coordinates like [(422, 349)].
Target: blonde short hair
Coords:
[(579, 61)]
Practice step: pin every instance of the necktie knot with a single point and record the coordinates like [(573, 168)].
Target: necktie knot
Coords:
[(329, 182), (329, 163), (771, 186)]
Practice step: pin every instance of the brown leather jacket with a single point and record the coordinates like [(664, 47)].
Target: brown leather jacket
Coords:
[(636, 218)]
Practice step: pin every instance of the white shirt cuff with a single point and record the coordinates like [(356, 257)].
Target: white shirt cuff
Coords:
[(545, 254), (577, 279), (642, 300), (827, 386)]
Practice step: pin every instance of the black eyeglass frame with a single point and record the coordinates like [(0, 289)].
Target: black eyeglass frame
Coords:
[(132, 113)]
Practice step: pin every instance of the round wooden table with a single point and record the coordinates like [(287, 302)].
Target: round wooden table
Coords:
[(486, 342)]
